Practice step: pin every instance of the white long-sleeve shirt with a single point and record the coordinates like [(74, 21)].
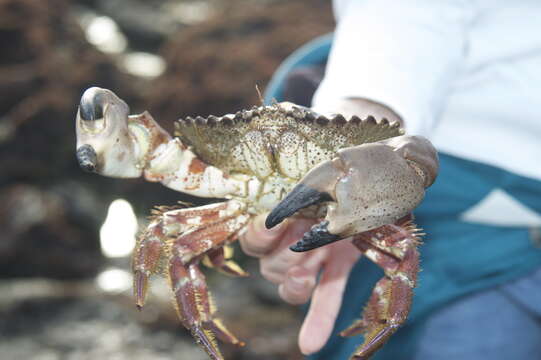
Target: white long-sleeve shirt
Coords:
[(464, 73)]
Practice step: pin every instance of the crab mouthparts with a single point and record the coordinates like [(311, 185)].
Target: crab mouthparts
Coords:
[(87, 158)]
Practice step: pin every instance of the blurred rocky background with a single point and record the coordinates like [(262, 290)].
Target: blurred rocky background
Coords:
[(65, 287)]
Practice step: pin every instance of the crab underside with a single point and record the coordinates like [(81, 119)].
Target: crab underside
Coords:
[(361, 178)]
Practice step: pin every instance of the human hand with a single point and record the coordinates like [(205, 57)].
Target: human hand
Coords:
[(296, 274)]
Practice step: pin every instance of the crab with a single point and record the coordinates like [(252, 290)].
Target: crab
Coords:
[(360, 177)]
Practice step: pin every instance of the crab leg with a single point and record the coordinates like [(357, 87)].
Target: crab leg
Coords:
[(373, 312), (195, 311), (146, 257), (164, 225), (181, 238), (198, 241), (390, 302), (221, 260), (208, 309), (187, 302), (192, 299)]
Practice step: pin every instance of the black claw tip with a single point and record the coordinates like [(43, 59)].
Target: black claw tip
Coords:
[(91, 106), (300, 197), (316, 237), (87, 158)]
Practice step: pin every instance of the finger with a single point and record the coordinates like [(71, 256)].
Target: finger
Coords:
[(301, 279), (277, 263), (298, 285), (257, 241), (327, 297)]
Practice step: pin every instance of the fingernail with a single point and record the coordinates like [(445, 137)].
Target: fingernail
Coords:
[(298, 283)]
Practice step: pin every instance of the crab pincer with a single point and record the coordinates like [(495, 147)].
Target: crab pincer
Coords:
[(364, 187), (370, 191)]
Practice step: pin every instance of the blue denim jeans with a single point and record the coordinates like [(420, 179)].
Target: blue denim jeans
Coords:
[(500, 323)]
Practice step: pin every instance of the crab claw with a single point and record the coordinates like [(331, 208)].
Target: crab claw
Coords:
[(111, 142), (104, 140), (92, 121), (365, 187), (316, 187)]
